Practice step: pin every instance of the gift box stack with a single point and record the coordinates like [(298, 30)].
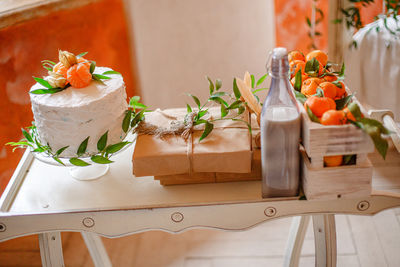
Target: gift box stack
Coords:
[(229, 152)]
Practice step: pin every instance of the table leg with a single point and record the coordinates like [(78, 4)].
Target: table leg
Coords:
[(295, 241), (96, 249), (51, 249), (325, 240)]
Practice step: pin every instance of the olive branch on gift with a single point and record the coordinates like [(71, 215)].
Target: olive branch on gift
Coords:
[(228, 101)]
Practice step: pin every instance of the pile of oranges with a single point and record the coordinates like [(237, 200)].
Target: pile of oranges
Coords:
[(322, 104), (71, 69), (321, 87)]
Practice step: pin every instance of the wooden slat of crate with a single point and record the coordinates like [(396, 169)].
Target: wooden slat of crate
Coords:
[(336, 182), (330, 140)]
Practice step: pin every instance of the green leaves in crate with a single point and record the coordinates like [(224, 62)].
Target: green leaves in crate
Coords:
[(297, 81), (312, 116)]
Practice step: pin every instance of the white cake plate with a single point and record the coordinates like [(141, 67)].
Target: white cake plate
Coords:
[(87, 173)]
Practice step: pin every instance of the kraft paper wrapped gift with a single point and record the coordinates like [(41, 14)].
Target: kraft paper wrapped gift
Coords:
[(215, 177), (226, 149)]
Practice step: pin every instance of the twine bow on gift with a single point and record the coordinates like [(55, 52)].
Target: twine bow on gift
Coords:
[(182, 128), (177, 127)]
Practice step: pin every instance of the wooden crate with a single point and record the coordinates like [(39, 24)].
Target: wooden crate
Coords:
[(329, 140), (323, 183)]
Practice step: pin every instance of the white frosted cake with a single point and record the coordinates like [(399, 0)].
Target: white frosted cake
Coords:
[(68, 117)]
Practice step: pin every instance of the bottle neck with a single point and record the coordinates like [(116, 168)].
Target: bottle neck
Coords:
[(279, 68)]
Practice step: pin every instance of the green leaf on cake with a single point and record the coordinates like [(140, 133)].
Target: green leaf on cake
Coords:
[(116, 147), (100, 159), (253, 80), (98, 77), (82, 147), (52, 63), (81, 54), (111, 72), (261, 80), (43, 82), (101, 144), (92, 66), (61, 150), (126, 121), (78, 162), (207, 130), (46, 91), (236, 90)]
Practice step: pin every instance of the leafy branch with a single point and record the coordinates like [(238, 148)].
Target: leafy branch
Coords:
[(353, 20), (228, 102)]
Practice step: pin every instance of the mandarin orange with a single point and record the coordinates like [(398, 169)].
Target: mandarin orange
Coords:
[(333, 117), (340, 90), (318, 55), (310, 85), (60, 69), (333, 161), (296, 55), (79, 75), (329, 89), (295, 66), (319, 105)]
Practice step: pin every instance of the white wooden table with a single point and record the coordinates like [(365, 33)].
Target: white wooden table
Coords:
[(43, 199)]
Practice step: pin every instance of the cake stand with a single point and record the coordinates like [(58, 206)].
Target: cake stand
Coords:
[(85, 173)]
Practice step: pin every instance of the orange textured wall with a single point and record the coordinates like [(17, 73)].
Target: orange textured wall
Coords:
[(291, 27), (99, 28)]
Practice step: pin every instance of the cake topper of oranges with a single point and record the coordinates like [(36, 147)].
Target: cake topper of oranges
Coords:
[(71, 70)]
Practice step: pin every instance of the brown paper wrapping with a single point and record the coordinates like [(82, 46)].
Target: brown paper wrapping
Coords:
[(215, 177), (227, 149)]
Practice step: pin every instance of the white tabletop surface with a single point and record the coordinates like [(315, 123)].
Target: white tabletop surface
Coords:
[(50, 188), (47, 188)]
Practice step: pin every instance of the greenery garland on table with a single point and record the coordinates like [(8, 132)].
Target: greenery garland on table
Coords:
[(104, 151)]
